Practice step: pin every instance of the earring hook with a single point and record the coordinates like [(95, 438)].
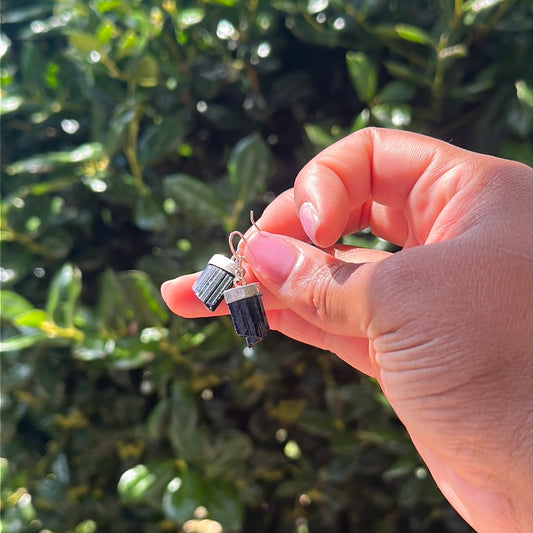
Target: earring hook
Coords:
[(252, 220)]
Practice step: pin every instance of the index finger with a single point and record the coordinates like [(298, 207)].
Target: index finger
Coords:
[(405, 186)]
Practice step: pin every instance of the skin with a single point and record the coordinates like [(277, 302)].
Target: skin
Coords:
[(444, 325)]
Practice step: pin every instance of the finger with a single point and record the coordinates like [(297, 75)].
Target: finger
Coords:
[(181, 300), (401, 172), (326, 292), (353, 350)]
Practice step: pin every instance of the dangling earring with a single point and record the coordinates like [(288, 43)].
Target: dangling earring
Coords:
[(244, 300), (216, 278)]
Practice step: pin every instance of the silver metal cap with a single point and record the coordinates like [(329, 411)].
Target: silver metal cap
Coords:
[(221, 261), (242, 292)]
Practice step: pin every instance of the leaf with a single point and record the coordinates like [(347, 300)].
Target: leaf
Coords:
[(362, 74), (144, 298), (19, 342), (148, 214), (249, 166), (392, 115), (396, 91), (413, 34), (319, 137), (189, 16), (13, 305), (160, 140), (145, 71), (51, 161), (183, 495), (146, 483), (362, 120), (407, 73), (83, 42), (63, 294), (194, 197), (30, 319), (188, 491)]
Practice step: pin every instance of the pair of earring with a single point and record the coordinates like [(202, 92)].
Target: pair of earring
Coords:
[(243, 300)]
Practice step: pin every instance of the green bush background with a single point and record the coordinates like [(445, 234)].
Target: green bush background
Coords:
[(135, 136)]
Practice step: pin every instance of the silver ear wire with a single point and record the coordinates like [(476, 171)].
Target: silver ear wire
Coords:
[(252, 220), (237, 256)]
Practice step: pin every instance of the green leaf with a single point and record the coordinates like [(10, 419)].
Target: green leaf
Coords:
[(30, 319), (19, 342), (195, 198), (249, 166), (13, 305), (188, 491), (413, 34), (183, 495), (145, 71), (144, 298), (224, 505), (160, 140), (319, 137), (362, 120), (149, 215), (63, 294), (396, 91), (363, 75), (146, 483), (392, 115), (189, 16), (51, 161), (83, 42), (407, 73)]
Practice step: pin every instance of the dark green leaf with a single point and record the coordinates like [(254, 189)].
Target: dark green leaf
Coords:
[(65, 289), (249, 167), (160, 140), (149, 215), (396, 91), (194, 197), (363, 75), (144, 298)]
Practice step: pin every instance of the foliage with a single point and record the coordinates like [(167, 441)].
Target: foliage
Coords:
[(136, 136)]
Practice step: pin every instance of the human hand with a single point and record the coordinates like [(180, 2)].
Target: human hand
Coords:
[(444, 325)]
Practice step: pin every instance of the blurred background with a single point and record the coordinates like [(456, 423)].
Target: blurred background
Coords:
[(135, 135)]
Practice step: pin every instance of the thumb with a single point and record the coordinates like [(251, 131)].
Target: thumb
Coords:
[(327, 292)]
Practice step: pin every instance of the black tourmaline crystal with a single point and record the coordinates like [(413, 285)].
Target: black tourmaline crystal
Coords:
[(247, 312), (217, 277)]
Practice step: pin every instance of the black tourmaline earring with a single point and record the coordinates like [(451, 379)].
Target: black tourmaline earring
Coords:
[(217, 277), (244, 301)]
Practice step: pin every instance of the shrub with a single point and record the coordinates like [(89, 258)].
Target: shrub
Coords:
[(136, 136)]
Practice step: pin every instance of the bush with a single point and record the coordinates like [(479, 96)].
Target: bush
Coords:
[(136, 136)]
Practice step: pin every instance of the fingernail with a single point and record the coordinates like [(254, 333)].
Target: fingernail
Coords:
[(271, 256), (164, 288), (309, 219)]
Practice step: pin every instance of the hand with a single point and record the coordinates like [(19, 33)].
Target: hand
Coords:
[(444, 325)]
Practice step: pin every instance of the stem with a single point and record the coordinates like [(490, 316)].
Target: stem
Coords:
[(130, 151), (9, 234)]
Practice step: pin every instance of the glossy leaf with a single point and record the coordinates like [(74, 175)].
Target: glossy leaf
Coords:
[(160, 140), (63, 295), (194, 198), (144, 298), (249, 166), (362, 74), (13, 304)]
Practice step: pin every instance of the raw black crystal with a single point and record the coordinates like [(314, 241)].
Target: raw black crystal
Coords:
[(217, 277), (247, 312)]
